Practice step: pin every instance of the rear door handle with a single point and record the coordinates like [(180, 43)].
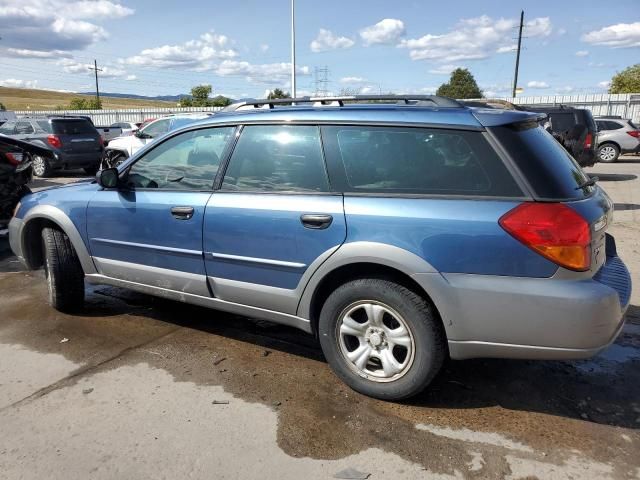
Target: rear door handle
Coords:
[(316, 221), (182, 213)]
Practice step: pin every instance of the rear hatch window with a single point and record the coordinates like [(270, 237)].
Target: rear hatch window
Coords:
[(73, 127), (547, 166)]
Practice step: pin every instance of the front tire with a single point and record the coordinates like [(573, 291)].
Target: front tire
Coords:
[(40, 166), (65, 278), (381, 338), (608, 153)]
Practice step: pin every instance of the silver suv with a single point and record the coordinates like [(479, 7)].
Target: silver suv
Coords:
[(616, 136)]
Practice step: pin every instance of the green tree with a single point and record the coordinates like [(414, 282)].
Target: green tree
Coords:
[(460, 85), (2, 107), (278, 93), (200, 95), (626, 81), (220, 101), (78, 103)]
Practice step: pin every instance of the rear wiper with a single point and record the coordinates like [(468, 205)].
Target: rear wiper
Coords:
[(588, 183)]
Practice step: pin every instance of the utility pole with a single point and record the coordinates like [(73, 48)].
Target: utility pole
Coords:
[(321, 81), (515, 77), (293, 48), (96, 70)]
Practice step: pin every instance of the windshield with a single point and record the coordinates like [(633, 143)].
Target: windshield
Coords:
[(548, 167)]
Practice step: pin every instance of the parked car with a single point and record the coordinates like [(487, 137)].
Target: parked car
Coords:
[(126, 128), (122, 148), (574, 128), (398, 233), (74, 141), (15, 173), (616, 136), (6, 115)]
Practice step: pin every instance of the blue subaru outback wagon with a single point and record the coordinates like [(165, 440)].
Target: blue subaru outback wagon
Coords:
[(398, 230)]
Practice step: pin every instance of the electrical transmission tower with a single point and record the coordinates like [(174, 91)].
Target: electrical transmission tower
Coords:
[(321, 81)]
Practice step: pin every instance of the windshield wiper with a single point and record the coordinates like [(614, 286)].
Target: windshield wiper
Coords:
[(588, 183)]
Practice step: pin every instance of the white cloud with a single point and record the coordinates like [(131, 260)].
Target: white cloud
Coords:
[(353, 80), (16, 83), (444, 69), (507, 48), (566, 89), (606, 84), (386, 32), (473, 38), (368, 90), (561, 31), (537, 84), (54, 25), (25, 53), (195, 54), (582, 53), (327, 40), (131, 77), (264, 47), (270, 73), (621, 35)]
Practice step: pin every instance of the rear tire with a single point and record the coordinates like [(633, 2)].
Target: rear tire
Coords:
[(40, 166), (608, 153), (381, 339), (65, 278)]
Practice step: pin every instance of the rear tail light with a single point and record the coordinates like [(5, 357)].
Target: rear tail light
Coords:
[(555, 231), (54, 141), (588, 141), (100, 141), (634, 133), (14, 158)]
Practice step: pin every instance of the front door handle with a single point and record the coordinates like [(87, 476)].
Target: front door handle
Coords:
[(316, 221), (182, 213)]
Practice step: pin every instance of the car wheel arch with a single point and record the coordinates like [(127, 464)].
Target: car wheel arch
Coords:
[(362, 260), (43, 216)]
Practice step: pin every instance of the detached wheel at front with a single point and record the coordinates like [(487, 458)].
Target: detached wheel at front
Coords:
[(608, 153), (63, 271), (381, 338)]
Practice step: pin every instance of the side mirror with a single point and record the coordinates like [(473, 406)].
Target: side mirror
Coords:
[(108, 178)]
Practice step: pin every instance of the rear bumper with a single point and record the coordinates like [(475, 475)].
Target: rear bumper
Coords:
[(76, 160), (533, 318)]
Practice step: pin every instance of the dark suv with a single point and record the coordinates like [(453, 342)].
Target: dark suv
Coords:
[(574, 128), (74, 141)]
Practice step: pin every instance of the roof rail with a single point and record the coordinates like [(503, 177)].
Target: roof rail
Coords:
[(435, 100)]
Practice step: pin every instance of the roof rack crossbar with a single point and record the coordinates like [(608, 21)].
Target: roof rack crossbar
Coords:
[(435, 100)]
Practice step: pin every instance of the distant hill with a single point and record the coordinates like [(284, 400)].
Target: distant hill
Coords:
[(33, 99), (161, 98)]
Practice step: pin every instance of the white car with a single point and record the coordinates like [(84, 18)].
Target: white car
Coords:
[(128, 128), (121, 148)]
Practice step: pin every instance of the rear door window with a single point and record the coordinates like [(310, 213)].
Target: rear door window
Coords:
[(277, 158), (8, 128), (72, 127), (562, 122), (44, 125), (24, 128), (399, 160)]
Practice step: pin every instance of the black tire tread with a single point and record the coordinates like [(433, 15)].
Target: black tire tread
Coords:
[(425, 310), (63, 265)]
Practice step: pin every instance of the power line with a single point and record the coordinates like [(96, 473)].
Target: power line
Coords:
[(321, 81)]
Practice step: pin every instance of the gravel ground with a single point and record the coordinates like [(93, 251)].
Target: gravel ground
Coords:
[(139, 387)]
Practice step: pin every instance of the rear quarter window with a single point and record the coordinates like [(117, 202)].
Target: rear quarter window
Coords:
[(399, 160), (547, 166), (44, 125), (72, 127)]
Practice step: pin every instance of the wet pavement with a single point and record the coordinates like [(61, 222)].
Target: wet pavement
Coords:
[(141, 387)]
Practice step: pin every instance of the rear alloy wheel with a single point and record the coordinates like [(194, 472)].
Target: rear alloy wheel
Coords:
[(381, 338), (608, 153), (40, 166)]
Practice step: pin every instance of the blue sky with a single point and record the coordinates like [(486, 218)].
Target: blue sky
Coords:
[(242, 48)]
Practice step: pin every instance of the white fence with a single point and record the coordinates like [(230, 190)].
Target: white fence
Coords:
[(624, 105), (108, 117)]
